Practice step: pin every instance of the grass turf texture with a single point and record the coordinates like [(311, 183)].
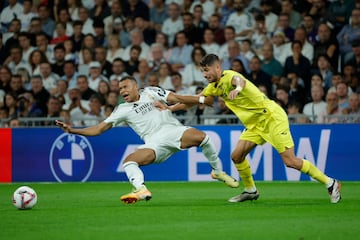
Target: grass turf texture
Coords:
[(182, 210)]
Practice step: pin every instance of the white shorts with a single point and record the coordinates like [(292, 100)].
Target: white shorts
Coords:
[(165, 142)]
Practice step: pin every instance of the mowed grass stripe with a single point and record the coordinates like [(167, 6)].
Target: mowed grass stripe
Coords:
[(182, 210)]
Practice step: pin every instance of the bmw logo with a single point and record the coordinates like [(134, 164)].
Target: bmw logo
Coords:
[(71, 158)]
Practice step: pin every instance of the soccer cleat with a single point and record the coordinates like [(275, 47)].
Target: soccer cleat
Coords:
[(137, 195), (245, 196), (228, 180), (334, 191)]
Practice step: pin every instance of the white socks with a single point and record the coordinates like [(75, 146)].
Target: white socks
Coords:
[(134, 174), (208, 149)]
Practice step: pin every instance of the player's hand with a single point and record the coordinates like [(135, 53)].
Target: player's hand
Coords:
[(160, 106), (233, 94), (65, 127)]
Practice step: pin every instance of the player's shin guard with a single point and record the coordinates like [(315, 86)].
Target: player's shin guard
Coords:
[(134, 174), (310, 169), (208, 149), (246, 175)]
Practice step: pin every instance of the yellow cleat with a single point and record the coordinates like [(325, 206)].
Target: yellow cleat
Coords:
[(228, 180), (137, 195)]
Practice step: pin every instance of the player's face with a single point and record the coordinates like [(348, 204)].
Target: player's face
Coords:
[(129, 90), (211, 73)]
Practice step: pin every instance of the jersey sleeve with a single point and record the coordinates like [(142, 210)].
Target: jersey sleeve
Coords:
[(117, 117), (159, 94)]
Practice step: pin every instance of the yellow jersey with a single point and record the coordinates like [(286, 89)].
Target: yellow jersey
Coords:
[(251, 106)]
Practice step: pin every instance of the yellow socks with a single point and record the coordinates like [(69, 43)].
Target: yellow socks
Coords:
[(309, 169), (246, 175)]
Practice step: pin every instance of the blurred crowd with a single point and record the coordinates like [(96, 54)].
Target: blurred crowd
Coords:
[(64, 58)]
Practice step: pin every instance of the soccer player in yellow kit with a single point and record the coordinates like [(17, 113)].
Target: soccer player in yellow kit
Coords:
[(264, 119)]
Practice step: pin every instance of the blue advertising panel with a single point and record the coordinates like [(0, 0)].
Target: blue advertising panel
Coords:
[(48, 154)]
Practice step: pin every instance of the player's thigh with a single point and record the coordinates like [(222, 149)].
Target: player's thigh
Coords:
[(248, 140), (142, 156), (192, 137), (278, 132)]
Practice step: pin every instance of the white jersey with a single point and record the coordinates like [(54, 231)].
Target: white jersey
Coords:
[(142, 116)]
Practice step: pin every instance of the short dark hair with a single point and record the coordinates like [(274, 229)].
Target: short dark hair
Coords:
[(131, 78), (209, 60)]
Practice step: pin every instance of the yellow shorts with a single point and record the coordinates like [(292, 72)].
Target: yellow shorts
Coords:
[(274, 130)]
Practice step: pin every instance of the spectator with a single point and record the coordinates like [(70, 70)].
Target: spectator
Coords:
[(36, 57), (48, 77), (112, 99), (144, 26), (349, 33), (259, 35), (350, 77), (4, 116), (320, 12), (297, 63), (332, 112), (308, 24), (287, 7), (132, 64), (100, 37), (10, 103), (207, 7), (283, 25), (294, 113), (270, 65), (238, 66), (47, 24), (282, 96), (5, 78), (215, 26), (192, 75), (258, 76), (354, 108), (42, 44), (336, 79), (35, 29), (115, 49), (137, 39), (193, 33), (101, 10), (53, 110), (15, 61), (247, 50), (59, 57), (134, 8), (24, 39), (240, 15), (327, 44), (41, 95), (225, 11), (4, 52), (353, 57), (61, 90), (173, 23), (164, 76), (199, 20), (297, 91), (271, 19), (153, 80), (180, 54), (116, 12), (105, 65), (325, 69), (87, 22), (70, 74), (16, 85), (11, 36), (77, 36), (77, 107), (158, 14), (64, 18), (142, 74), (209, 44), (25, 78), (234, 53), (95, 114), (162, 39), (229, 35), (278, 42), (85, 90), (318, 105), (156, 56), (73, 6), (342, 92), (95, 75), (10, 12), (118, 68), (90, 43)]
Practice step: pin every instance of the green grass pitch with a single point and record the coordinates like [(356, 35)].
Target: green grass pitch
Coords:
[(182, 210)]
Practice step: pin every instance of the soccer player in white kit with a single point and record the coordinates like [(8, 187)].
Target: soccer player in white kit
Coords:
[(162, 133)]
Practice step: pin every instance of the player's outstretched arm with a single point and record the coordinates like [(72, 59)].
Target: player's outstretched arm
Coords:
[(239, 83), (190, 100), (89, 131)]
